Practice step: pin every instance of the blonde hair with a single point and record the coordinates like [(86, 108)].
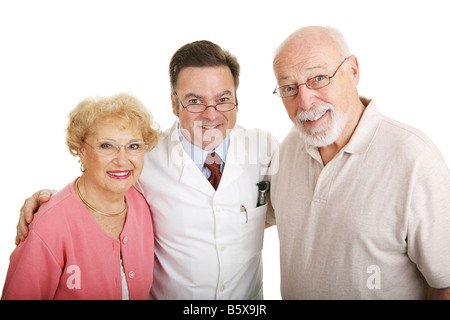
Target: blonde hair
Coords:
[(122, 106)]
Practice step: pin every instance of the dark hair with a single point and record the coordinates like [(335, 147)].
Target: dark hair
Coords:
[(202, 54)]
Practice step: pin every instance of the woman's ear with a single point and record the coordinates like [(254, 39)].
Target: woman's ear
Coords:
[(82, 154)]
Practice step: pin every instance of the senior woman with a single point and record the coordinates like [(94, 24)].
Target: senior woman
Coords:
[(94, 238)]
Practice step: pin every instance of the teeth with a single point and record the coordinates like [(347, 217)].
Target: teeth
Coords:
[(209, 127), (317, 117), (119, 174)]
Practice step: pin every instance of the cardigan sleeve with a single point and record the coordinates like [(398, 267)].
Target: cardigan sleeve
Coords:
[(33, 273)]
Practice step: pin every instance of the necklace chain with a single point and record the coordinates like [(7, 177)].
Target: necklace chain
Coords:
[(77, 189)]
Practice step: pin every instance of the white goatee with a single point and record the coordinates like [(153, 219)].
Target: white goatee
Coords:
[(325, 134)]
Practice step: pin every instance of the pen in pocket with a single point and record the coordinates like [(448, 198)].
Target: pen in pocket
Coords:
[(243, 209)]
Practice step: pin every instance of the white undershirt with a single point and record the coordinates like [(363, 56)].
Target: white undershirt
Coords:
[(125, 294)]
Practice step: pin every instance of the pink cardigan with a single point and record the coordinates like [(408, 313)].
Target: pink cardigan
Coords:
[(68, 256)]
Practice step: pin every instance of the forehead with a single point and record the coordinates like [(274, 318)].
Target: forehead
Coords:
[(301, 57), (114, 127), (205, 80)]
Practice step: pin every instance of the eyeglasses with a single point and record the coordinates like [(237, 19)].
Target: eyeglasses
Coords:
[(110, 149), (200, 107), (317, 82)]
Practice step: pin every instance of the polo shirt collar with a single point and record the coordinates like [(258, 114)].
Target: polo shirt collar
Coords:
[(366, 130), (363, 136)]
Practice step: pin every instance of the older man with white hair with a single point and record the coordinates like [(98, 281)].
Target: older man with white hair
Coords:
[(361, 201)]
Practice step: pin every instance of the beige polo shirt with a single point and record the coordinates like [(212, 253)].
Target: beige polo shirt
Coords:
[(374, 223)]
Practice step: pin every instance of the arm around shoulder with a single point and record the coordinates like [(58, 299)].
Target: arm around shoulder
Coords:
[(29, 208)]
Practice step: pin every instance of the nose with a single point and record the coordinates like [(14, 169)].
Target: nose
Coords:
[(210, 113), (305, 98), (122, 155)]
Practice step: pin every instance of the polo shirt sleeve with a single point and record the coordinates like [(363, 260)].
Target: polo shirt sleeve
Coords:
[(273, 169), (270, 214), (428, 238)]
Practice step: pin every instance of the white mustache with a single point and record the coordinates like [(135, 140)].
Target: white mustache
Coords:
[(314, 113), (324, 134)]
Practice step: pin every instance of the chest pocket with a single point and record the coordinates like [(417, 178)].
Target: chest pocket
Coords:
[(251, 228)]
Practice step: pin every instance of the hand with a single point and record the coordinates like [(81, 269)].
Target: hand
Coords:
[(439, 294), (29, 208)]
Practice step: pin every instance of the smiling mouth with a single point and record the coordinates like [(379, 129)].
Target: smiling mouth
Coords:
[(317, 117), (119, 174), (209, 127)]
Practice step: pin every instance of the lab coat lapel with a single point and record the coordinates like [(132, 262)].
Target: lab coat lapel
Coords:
[(184, 168), (236, 158)]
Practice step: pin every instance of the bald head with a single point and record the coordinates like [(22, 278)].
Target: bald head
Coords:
[(308, 38)]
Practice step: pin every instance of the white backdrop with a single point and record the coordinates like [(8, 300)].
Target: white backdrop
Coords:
[(55, 53)]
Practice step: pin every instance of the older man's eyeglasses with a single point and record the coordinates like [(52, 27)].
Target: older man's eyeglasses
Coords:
[(107, 148), (314, 83), (200, 107)]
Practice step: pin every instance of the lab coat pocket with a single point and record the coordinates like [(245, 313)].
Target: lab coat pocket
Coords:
[(253, 221)]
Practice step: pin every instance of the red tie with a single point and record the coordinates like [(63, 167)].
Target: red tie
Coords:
[(213, 162)]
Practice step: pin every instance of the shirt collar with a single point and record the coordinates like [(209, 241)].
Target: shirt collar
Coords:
[(198, 155), (364, 134), (366, 130)]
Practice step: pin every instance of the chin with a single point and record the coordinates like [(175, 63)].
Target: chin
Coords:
[(121, 187)]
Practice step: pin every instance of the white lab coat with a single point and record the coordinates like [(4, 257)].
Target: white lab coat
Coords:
[(206, 245)]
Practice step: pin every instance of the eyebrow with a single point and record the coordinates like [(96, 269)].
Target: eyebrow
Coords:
[(194, 95), (112, 140), (284, 78)]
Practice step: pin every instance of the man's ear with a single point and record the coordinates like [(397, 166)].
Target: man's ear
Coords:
[(175, 104), (354, 65)]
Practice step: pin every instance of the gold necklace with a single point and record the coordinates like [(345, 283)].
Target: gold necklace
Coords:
[(77, 189)]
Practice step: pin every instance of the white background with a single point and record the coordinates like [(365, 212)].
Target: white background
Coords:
[(55, 53)]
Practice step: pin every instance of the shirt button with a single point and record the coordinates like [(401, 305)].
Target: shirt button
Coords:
[(223, 248), (125, 240), (223, 288), (131, 274), (218, 209)]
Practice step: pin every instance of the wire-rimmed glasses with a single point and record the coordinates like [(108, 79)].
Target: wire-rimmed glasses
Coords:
[(200, 107), (314, 83), (108, 148)]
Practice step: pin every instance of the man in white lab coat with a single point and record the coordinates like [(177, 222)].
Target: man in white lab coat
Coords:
[(208, 241)]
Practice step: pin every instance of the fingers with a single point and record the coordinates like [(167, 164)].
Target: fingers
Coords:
[(33, 203), (21, 229), (44, 196), (27, 211)]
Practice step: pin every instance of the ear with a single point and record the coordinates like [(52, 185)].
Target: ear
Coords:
[(354, 65), (82, 154), (175, 104)]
